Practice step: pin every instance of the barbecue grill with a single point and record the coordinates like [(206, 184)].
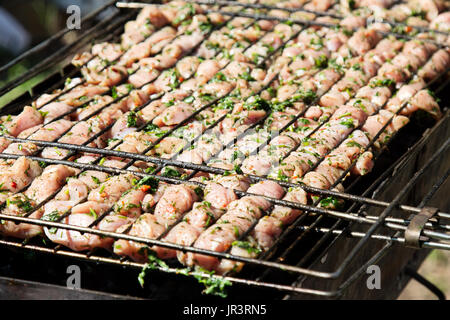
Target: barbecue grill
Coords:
[(390, 213)]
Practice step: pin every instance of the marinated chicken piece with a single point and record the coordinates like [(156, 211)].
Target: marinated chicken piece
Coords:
[(187, 66), (257, 165), (206, 70), (20, 174), (136, 53), (144, 75), (364, 164), (99, 202), (316, 180), (182, 234), (168, 146), (332, 99), (26, 133), (135, 142), (107, 51), (220, 236), (111, 190), (135, 33), (43, 186), (55, 110), (424, 100), (73, 193), (233, 182), (124, 125), (268, 189), (92, 179), (92, 108), (149, 112), (203, 214), (376, 123), (218, 196), (174, 115), (175, 201), (153, 15), (28, 118), (161, 38), (404, 94), (363, 40), (52, 131), (441, 22), (146, 226), (439, 63), (126, 211), (23, 149), (4, 143), (83, 215), (108, 77), (377, 95), (81, 94)]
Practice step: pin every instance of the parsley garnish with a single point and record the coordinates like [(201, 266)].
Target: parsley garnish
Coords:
[(382, 83), (170, 172), (114, 94), (321, 61), (247, 246), (132, 119)]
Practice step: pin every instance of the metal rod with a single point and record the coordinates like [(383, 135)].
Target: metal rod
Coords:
[(127, 263), (187, 165)]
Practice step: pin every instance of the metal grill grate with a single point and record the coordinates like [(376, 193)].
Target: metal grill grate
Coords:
[(311, 221)]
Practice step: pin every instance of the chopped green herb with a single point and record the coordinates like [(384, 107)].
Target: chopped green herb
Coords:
[(247, 246), (330, 202), (148, 181), (114, 94), (257, 103), (186, 12), (95, 179), (199, 192), (25, 205), (43, 113), (154, 263), (236, 231), (246, 76), (205, 27), (382, 83), (348, 123), (214, 285), (189, 99), (321, 61), (131, 119), (353, 144), (93, 213), (170, 172)]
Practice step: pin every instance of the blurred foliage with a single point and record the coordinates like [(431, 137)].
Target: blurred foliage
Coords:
[(41, 18)]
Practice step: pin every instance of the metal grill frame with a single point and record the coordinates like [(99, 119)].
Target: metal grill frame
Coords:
[(376, 222)]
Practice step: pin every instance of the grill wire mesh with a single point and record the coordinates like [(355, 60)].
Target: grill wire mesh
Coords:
[(325, 222)]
